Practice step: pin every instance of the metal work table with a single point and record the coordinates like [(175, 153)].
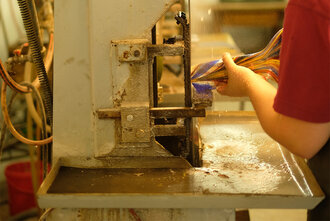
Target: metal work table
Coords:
[(242, 168)]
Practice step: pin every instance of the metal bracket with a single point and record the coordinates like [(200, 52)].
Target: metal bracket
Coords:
[(165, 50), (135, 123), (131, 50), (156, 112)]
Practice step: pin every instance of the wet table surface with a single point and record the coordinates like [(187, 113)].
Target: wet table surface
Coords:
[(239, 159), (237, 146)]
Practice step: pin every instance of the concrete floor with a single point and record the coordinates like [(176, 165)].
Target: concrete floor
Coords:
[(30, 215)]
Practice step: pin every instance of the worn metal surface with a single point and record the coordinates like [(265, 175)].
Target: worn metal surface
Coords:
[(135, 123), (131, 51), (89, 75), (140, 149), (165, 50), (108, 113), (127, 161), (189, 150), (159, 112), (168, 130), (130, 180), (237, 145), (134, 127), (143, 214), (177, 112), (242, 167), (181, 19)]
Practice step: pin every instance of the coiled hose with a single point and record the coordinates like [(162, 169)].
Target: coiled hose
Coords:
[(31, 26), (10, 125)]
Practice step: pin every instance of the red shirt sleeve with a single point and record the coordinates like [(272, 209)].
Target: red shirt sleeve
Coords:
[(304, 76)]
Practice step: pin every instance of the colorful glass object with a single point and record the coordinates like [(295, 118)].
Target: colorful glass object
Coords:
[(265, 62)]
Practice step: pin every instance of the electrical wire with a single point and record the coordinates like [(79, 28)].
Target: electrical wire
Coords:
[(28, 87), (41, 105), (31, 27), (265, 63), (23, 89), (44, 148), (48, 61), (48, 58), (29, 99), (27, 77), (50, 53), (10, 125), (11, 82), (33, 159)]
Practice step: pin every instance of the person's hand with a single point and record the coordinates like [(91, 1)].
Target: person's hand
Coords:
[(239, 79)]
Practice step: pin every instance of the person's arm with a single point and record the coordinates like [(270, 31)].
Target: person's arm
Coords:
[(300, 137)]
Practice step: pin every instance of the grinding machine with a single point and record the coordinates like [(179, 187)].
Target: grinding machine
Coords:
[(110, 161)]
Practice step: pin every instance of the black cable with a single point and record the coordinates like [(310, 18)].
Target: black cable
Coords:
[(30, 22)]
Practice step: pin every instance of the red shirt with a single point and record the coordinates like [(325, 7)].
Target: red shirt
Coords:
[(304, 76)]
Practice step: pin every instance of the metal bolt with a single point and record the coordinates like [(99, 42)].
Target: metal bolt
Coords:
[(130, 117), (137, 53)]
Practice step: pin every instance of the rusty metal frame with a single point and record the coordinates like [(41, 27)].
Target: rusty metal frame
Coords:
[(157, 112)]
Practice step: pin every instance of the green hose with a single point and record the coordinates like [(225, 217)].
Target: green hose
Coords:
[(30, 21)]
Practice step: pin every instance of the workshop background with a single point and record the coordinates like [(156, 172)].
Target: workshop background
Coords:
[(238, 26)]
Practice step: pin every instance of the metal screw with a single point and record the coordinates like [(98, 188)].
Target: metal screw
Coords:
[(130, 117), (137, 53)]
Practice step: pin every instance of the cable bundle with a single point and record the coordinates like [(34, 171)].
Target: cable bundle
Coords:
[(31, 24), (265, 62)]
